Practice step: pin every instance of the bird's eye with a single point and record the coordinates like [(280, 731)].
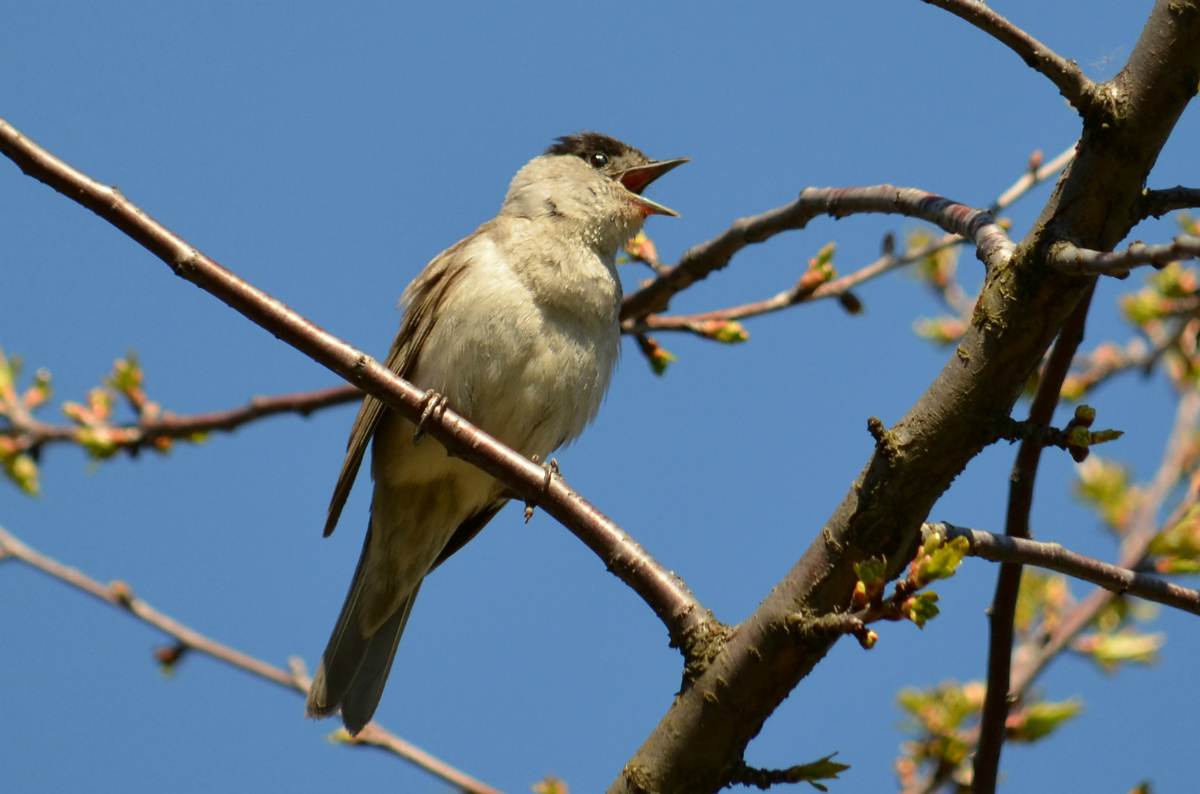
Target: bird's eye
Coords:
[(598, 160)]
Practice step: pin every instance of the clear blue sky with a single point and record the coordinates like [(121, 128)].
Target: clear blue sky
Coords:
[(326, 153)]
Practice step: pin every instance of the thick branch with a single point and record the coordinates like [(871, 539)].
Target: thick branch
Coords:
[(1084, 262), (1053, 557), (1021, 308), (120, 595), (1065, 74), (1157, 203), (686, 619), (697, 263), (29, 433)]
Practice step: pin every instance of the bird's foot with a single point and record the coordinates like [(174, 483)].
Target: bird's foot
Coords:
[(551, 469), (433, 402)]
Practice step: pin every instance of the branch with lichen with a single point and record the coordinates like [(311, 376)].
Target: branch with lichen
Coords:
[(121, 595)]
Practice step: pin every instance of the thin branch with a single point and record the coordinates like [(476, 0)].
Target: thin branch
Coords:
[(1032, 178), (1065, 74), (792, 297), (1053, 557), (1158, 203), (1008, 581), (1109, 360), (992, 242), (30, 433), (686, 619), (1084, 262), (700, 323), (1134, 548), (120, 595)]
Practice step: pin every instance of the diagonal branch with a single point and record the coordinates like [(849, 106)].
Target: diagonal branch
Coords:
[(1053, 557), (1068, 258), (1008, 581), (992, 242), (1065, 74), (120, 595), (1158, 203), (686, 619), (29, 433)]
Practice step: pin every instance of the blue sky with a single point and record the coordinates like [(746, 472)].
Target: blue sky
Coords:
[(326, 153)]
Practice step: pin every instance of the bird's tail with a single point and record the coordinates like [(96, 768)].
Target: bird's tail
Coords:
[(355, 665)]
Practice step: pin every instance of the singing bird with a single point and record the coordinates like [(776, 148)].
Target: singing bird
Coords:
[(517, 328)]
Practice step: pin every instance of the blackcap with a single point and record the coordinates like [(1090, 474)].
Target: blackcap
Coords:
[(517, 328)]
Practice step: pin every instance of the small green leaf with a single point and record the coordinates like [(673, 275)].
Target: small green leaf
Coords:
[(1041, 719)]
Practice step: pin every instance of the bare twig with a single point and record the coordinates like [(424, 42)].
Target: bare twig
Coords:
[(1065, 74), (30, 433), (1051, 556), (1084, 262), (1031, 178), (1008, 581), (120, 595), (992, 243), (686, 619), (1158, 203)]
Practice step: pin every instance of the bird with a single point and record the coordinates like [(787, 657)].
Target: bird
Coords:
[(516, 328)]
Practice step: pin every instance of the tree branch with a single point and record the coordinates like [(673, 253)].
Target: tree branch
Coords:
[(1065, 74), (1033, 177), (120, 595), (1069, 259), (686, 619), (1021, 308), (1008, 580), (1158, 203), (992, 243), (1053, 557), (701, 322), (791, 297), (1142, 529), (30, 433)]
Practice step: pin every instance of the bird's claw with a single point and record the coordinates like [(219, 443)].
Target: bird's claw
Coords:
[(551, 469), (433, 402)]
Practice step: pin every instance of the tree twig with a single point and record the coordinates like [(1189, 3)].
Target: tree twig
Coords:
[(791, 297), (1053, 557), (696, 323), (1142, 529), (1008, 581), (1084, 262), (686, 619), (120, 595), (30, 433), (1065, 74), (1031, 178), (1158, 203)]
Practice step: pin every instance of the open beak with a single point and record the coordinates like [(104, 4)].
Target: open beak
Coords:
[(636, 179)]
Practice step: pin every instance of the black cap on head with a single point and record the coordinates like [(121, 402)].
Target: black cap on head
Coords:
[(585, 144)]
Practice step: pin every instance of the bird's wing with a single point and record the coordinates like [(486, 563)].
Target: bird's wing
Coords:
[(423, 297)]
